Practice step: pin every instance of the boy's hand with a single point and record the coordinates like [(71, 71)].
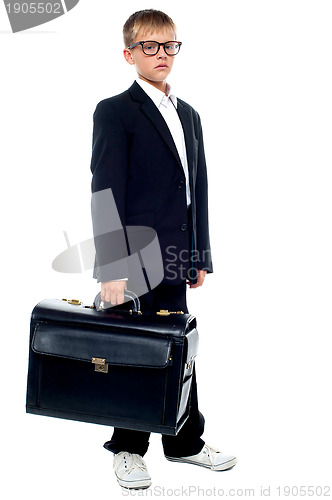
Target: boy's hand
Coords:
[(113, 291), (200, 279)]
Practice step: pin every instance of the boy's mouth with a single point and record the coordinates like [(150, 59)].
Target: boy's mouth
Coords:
[(161, 66)]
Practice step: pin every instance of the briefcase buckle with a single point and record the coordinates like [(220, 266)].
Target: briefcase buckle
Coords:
[(165, 312), (74, 302), (100, 365), (190, 362)]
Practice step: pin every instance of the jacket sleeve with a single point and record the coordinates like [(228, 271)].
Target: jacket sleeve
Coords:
[(109, 167), (202, 217)]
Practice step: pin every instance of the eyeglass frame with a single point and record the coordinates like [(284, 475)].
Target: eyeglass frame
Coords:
[(133, 45)]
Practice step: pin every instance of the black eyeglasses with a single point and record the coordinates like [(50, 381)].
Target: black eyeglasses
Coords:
[(151, 48)]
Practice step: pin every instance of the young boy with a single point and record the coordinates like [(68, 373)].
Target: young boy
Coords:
[(148, 149)]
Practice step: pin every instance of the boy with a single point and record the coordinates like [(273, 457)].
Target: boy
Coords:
[(148, 149)]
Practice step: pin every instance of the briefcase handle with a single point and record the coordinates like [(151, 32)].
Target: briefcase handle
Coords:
[(100, 304)]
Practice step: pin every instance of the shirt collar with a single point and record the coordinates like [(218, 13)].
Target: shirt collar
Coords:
[(157, 96)]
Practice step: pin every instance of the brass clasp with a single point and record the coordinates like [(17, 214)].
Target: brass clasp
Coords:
[(165, 312), (190, 362), (100, 365)]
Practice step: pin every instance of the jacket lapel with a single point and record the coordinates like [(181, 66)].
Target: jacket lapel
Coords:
[(149, 109), (153, 114)]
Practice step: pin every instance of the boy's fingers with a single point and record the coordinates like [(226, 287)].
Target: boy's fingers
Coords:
[(113, 292), (120, 298)]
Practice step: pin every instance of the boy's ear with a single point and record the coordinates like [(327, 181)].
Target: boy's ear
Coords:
[(128, 57)]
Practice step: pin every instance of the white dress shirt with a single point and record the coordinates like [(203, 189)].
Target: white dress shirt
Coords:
[(167, 105)]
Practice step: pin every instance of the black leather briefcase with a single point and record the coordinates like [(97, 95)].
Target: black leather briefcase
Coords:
[(122, 368)]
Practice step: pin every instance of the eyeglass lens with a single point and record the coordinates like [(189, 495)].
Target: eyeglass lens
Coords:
[(151, 48)]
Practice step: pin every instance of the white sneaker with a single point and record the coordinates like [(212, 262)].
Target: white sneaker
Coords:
[(208, 457), (130, 470)]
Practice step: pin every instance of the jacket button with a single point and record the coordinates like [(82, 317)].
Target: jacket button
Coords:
[(184, 227), (181, 184)]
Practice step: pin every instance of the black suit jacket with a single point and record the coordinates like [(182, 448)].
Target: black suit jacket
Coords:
[(134, 154)]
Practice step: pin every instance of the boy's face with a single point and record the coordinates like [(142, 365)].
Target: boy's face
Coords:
[(153, 69)]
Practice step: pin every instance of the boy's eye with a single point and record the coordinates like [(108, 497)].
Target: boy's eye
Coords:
[(172, 48), (150, 46)]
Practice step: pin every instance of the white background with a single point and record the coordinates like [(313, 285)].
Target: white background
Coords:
[(259, 73)]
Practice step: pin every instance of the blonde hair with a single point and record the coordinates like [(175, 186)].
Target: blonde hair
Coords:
[(148, 20)]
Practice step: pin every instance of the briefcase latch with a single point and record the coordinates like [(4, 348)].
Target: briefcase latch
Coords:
[(190, 362), (75, 302), (165, 312), (100, 365)]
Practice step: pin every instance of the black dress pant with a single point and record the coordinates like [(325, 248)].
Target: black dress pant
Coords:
[(188, 441)]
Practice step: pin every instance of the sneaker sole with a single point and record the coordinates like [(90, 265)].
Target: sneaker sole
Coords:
[(225, 466), (135, 485)]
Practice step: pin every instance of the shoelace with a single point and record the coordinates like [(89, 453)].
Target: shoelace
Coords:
[(209, 451), (134, 461)]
